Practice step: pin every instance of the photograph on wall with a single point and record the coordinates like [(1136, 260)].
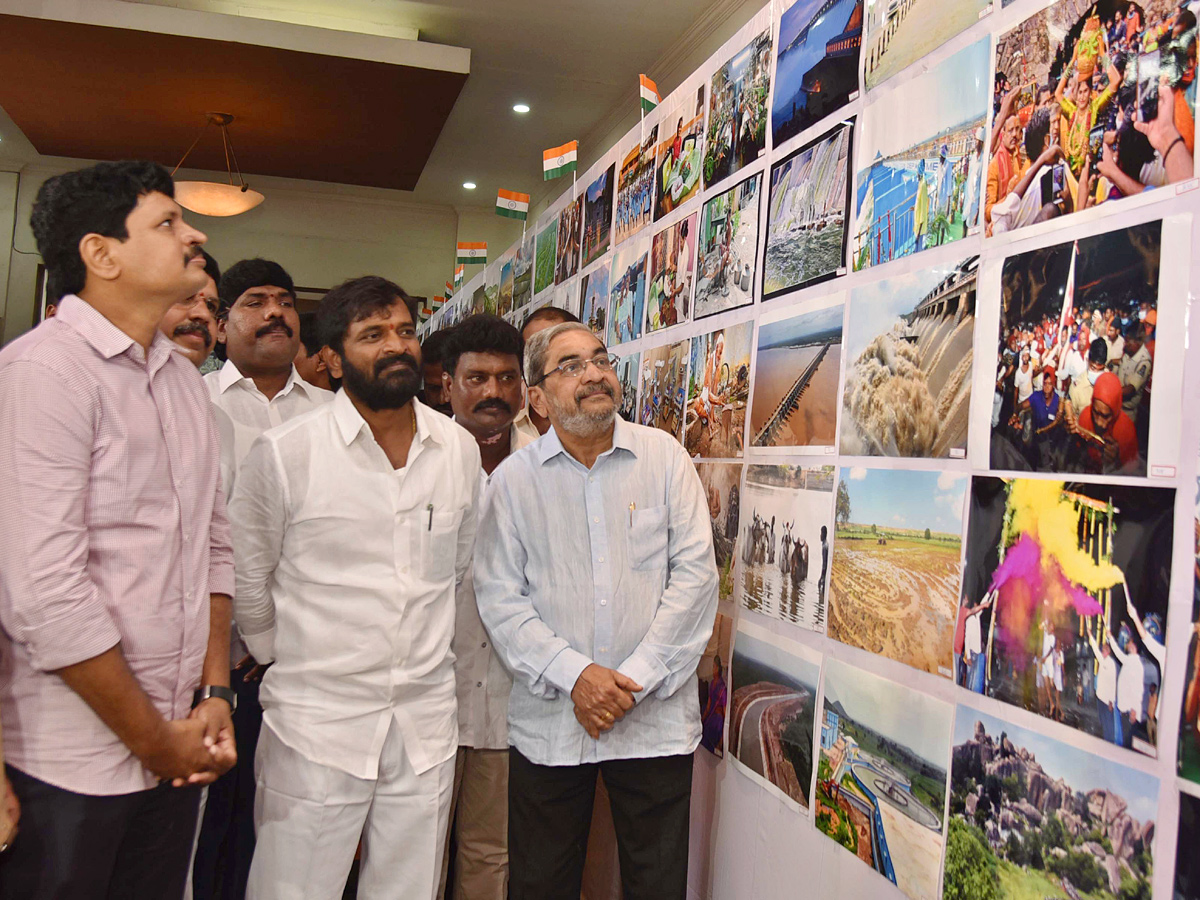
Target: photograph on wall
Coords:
[(718, 391), (1082, 313), (680, 155), (491, 290), (628, 368), (772, 712), (737, 111), (897, 563), (564, 296), (728, 249), (1067, 585), (1189, 724), (635, 188), (816, 72), (920, 159), (545, 259), (900, 32), (523, 273), (567, 253), (713, 677), (627, 293), (1187, 862), (594, 303), (807, 211), (1088, 110), (881, 775), (672, 267), (663, 387), (786, 519), (1032, 817), (722, 489), (479, 300), (597, 216), (796, 378), (506, 287), (909, 347)]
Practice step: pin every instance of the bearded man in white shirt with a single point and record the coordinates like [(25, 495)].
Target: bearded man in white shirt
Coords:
[(356, 525), (257, 388), (481, 361)]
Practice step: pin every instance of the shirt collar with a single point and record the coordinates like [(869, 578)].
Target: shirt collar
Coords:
[(350, 421), (550, 446), (106, 338), (229, 375)]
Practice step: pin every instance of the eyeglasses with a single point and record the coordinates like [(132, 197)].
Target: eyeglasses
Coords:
[(573, 368)]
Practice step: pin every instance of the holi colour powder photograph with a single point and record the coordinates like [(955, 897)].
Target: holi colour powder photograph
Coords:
[(1067, 585)]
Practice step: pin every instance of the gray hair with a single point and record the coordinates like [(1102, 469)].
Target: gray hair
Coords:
[(538, 347)]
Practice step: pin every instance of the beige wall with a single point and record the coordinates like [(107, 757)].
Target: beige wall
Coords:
[(322, 234)]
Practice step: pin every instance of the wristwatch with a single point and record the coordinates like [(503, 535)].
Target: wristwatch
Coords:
[(208, 691)]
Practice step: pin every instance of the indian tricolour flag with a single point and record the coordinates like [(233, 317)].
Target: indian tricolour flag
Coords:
[(512, 204), (649, 92), (472, 253), (449, 289), (559, 160), (458, 276)]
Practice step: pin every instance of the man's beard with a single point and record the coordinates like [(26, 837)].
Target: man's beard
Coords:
[(584, 424), (383, 391)]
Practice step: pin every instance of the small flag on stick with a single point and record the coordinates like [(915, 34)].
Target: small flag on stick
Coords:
[(649, 92), (449, 289), (512, 204), (559, 160), (472, 253), (458, 277)]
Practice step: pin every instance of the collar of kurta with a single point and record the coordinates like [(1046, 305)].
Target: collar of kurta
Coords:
[(229, 375), (351, 423), (550, 446), (106, 338)]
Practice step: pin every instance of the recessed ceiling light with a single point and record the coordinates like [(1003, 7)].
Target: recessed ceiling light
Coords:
[(469, 185), (521, 107)]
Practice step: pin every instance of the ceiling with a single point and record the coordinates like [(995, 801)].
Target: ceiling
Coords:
[(352, 121)]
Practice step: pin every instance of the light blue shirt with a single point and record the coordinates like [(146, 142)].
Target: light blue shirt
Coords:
[(614, 566)]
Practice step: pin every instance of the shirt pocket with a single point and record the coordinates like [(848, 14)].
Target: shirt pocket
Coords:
[(648, 538), (438, 543)]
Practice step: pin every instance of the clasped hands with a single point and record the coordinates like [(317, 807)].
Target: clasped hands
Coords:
[(602, 697), (195, 750)]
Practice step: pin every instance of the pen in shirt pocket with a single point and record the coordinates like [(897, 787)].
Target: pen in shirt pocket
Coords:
[(632, 507), (429, 509)]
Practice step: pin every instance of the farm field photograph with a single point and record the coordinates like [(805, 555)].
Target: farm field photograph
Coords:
[(896, 564), (544, 260), (718, 390), (1032, 817), (786, 515), (909, 351), (881, 775), (796, 378), (772, 711)]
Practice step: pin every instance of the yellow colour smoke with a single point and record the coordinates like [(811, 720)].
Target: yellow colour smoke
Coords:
[(1041, 511)]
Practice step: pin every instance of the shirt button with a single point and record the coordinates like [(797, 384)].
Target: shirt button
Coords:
[(604, 603), (188, 595), (590, 479), (602, 559), (479, 684), (484, 645), (596, 519), (603, 649)]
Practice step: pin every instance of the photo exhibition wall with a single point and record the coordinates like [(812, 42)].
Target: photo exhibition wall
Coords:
[(911, 282)]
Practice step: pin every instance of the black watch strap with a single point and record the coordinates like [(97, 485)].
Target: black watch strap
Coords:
[(209, 691)]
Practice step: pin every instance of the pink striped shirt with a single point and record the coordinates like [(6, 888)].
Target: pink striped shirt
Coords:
[(112, 530)]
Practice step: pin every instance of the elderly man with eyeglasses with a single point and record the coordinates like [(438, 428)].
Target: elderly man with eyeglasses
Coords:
[(595, 576)]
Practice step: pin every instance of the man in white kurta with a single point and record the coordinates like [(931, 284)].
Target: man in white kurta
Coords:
[(356, 525)]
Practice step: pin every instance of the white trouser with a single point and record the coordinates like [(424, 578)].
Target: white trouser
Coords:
[(308, 819)]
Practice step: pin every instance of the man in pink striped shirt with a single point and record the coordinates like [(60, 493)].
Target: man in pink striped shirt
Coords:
[(115, 561)]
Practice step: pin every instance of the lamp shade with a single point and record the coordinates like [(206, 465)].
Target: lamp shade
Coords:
[(211, 198)]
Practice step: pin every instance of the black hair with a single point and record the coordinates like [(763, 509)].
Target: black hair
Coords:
[(1187, 18), (252, 273), (1133, 150), (211, 268), (554, 314), (431, 348), (308, 333), (354, 300), (95, 200), (1035, 134), (482, 333), (1098, 351)]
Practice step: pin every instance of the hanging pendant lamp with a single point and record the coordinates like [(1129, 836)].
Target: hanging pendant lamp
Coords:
[(212, 198)]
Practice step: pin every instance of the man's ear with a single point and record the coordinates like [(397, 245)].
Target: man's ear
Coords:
[(333, 361), (537, 399), (325, 358), (96, 252), (221, 336), (447, 380)]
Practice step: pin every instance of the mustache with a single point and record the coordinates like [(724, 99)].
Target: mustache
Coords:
[(493, 403), (191, 254), (406, 358), (194, 327), (598, 388), (274, 325)]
